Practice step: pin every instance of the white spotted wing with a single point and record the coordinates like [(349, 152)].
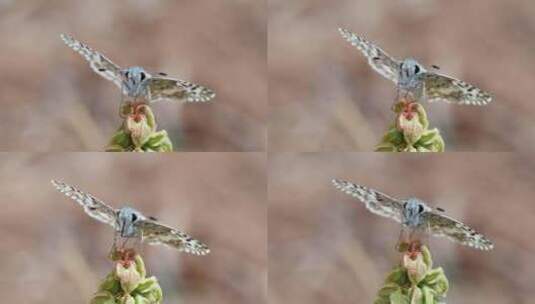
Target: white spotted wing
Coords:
[(377, 202), (156, 233), (169, 89), (443, 88), (441, 225), (378, 59), (98, 62), (94, 207)]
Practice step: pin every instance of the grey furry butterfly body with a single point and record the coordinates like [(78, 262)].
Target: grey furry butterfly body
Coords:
[(415, 215), (130, 223), (136, 82), (412, 78)]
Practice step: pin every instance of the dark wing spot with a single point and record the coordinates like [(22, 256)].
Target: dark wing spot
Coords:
[(440, 209), (162, 74), (436, 67), (102, 70), (92, 208)]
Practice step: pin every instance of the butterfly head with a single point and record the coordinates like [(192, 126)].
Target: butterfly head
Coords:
[(126, 219), (134, 79), (412, 210), (408, 69)]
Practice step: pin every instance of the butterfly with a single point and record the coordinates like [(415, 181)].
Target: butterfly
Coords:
[(137, 83), (412, 78), (415, 215), (130, 223)]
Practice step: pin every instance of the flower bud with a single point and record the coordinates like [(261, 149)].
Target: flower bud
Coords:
[(416, 267), (410, 121), (128, 276)]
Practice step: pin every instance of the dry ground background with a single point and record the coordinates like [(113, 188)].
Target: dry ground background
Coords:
[(52, 101), (325, 247), (325, 97), (51, 252)]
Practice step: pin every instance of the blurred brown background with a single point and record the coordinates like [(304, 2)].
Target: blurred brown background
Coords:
[(52, 101), (52, 252), (325, 97), (325, 247)]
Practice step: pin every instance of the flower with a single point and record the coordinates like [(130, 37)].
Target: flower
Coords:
[(414, 281), (128, 284), (138, 131)]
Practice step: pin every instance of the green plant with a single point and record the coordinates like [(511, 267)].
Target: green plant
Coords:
[(414, 281), (410, 131), (127, 283), (138, 131)]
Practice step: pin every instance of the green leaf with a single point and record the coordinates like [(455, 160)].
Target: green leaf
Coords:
[(147, 285), (110, 284), (426, 254), (422, 116), (139, 299), (394, 137), (428, 295), (416, 295), (103, 297), (436, 280), (120, 141), (388, 289), (398, 275), (399, 298), (159, 141), (140, 266)]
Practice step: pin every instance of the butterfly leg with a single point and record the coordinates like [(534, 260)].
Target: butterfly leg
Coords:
[(114, 253), (125, 242), (415, 242), (138, 246), (403, 240)]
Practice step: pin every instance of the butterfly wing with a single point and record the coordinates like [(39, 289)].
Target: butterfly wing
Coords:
[(164, 88), (94, 207), (377, 202), (98, 62), (441, 225), (156, 233), (443, 88), (378, 59)]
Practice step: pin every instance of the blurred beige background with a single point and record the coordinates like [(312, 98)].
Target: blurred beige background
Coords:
[(52, 252), (52, 101), (325, 97), (325, 247)]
